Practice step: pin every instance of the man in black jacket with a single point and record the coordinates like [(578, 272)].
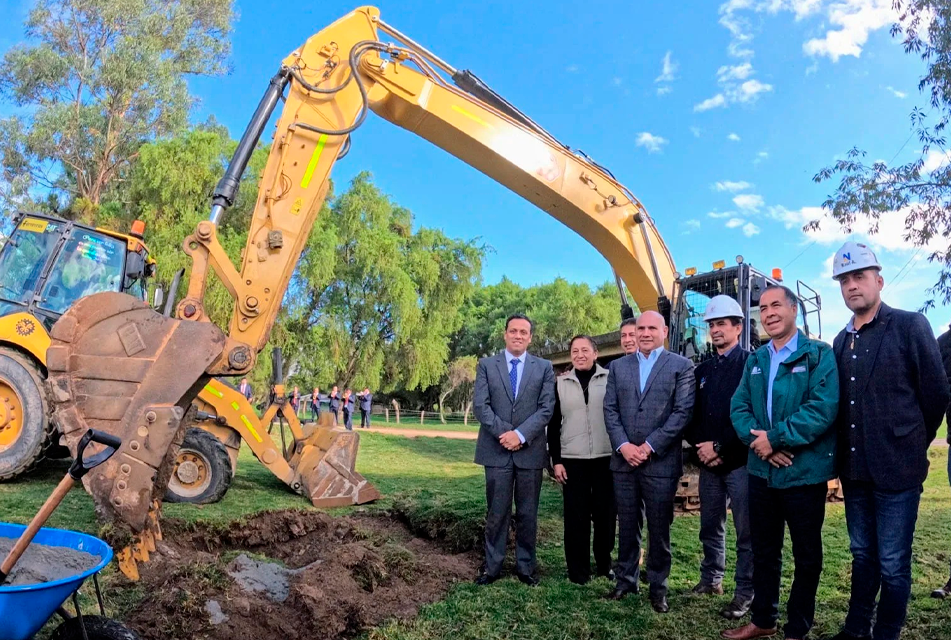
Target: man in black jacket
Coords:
[(723, 475), (944, 346), (893, 395)]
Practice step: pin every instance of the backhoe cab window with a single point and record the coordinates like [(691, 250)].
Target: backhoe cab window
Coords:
[(693, 336), (23, 257), (88, 264)]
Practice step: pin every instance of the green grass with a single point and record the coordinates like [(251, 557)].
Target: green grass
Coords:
[(428, 425), (433, 484)]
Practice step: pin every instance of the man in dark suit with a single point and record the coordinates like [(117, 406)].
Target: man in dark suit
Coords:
[(944, 346), (893, 395), (245, 389), (334, 400), (514, 399), (647, 405), (366, 402)]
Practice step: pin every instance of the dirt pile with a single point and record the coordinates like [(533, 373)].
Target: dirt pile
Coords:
[(290, 574), (42, 563)]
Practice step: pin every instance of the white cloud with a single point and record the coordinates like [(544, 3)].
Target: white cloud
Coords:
[(663, 91), (711, 103), (650, 142), (733, 223), (692, 225), (855, 19), (733, 137), (898, 94), (749, 202), (762, 155), (748, 91), (668, 69), (616, 81), (736, 72), (717, 215), (695, 131), (572, 68), (935, 160), (731, 186), (750, 229)]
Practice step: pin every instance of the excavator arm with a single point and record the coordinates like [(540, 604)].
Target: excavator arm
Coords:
[(117, 366)]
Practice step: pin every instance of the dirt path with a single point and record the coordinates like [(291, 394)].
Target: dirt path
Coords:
[(425, 433)]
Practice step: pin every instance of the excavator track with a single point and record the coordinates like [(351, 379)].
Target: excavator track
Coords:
[(118, 366)]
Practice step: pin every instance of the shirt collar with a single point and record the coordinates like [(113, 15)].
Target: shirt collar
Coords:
[(789, 347), (509, 357), (850, 327), (652, 357), (729, 354)]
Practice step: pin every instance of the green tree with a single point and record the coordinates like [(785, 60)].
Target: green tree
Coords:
[(374, 303), (96, 79), (919, 190), (559, 309)]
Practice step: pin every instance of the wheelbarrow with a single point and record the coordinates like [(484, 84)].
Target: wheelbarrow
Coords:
[(24, 609)]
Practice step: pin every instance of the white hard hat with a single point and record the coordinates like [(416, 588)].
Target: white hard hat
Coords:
[(853, 257), (722, 307)]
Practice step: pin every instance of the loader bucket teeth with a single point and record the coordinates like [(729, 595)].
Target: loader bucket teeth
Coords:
[(326, 469), (118, 366)]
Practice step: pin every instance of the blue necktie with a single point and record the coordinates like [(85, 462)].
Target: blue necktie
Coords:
[(513, 376)]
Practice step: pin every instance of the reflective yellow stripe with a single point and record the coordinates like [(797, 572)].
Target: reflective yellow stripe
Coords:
[(471, 116), (313, 161), (235, 406), (247, 423), (212, 390)]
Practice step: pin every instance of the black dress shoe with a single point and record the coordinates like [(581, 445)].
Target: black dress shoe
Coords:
[(618, 593), (485, 579), (844, 635), (531, 581), (660, 604)]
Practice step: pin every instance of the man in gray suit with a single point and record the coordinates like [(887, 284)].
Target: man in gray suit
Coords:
[(647, 405), (514, 399)]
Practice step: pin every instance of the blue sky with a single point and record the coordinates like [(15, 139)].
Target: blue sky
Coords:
[(715, 115)]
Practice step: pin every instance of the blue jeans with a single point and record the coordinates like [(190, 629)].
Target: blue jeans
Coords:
[(715, 490), (881, 527)]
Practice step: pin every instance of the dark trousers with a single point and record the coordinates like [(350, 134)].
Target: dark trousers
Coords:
[(803, 510), (638, 495), (881, 527), (365, 418), (314, 412), (716, 491), (589, 497), (502, 484), (347, 420)]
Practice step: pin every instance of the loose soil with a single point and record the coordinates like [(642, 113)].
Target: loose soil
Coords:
[(290, 574), (42, 563)]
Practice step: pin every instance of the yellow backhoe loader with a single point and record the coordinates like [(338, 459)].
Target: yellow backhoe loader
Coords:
[(120, 367), (48, 264)]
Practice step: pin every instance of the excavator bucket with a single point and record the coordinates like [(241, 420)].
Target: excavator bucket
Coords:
[(118, 366), (326, 469)]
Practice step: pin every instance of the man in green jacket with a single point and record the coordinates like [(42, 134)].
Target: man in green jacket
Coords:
[(784, 410)]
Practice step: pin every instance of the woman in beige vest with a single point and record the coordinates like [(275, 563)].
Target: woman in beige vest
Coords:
[(580, 451)]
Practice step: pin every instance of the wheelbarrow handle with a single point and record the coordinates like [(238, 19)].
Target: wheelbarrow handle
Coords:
[(76, 471)]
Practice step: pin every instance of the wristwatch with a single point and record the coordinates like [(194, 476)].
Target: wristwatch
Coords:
[(716, 447)]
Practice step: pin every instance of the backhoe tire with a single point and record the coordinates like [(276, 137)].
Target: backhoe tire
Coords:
[(23, 414), (202, 472), (97, 628)]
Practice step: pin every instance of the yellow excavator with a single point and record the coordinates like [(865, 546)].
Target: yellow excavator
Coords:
[(118, 366)]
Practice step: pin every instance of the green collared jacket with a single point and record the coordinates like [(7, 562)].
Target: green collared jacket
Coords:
[(805, 403)]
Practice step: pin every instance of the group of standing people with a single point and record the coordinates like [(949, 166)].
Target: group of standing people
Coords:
[(770, 429), (343, 405)]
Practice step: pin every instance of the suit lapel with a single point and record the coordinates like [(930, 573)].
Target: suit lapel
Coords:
[(527, 372), (660, 364), (504, 372)]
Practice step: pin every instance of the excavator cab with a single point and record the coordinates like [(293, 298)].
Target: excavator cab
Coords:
[(48, 263), (689, 335)]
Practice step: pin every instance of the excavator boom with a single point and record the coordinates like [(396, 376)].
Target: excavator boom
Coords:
[(121, 368)]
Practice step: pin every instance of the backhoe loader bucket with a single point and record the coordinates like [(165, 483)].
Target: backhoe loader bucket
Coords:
[(326, 468), (118, 366)]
